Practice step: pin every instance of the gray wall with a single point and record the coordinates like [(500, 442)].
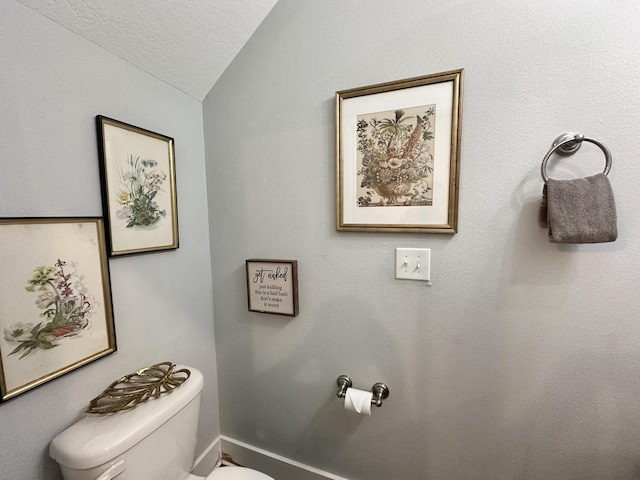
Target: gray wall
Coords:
[(522, 360), (52, 84)]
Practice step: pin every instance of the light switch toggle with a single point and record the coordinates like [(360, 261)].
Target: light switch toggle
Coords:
[(413, 264)]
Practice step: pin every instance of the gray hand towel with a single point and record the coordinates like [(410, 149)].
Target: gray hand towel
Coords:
[(581, 210)]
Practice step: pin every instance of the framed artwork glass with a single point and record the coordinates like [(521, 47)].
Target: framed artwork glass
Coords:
[(139, 197), (55, 299), (398, 155)]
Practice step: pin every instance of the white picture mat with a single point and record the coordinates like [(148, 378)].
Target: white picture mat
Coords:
[(442, 95), (119, 143)]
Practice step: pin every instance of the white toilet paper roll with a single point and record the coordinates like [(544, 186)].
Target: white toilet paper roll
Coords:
[(358, 401)]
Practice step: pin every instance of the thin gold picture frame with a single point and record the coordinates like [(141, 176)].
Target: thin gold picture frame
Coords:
[(398, 155), (138, 180), (56, 310)]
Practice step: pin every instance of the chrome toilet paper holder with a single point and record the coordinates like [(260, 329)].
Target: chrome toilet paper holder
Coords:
[(379, 390)]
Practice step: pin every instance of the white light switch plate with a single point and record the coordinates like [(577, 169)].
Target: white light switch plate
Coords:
[(413, 263)]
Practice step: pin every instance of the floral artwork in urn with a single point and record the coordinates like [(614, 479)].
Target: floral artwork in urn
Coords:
[(395, 157), (398, 155)]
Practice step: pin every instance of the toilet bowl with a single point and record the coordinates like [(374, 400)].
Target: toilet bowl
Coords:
[(232, 473), (156, 440)]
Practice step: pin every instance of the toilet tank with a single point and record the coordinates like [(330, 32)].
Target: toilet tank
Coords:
[(154, 441)]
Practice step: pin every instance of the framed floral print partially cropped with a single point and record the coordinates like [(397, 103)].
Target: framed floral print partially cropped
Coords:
[(398, 155), (55, 299), (139, 197)]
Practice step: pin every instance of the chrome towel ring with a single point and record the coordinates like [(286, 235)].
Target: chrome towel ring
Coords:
[(569, 143)]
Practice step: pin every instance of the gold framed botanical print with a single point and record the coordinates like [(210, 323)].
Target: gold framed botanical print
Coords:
[(139, 196), (55, 299), (398, 155)]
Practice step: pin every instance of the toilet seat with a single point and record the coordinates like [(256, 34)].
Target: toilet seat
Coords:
[(237, 473)]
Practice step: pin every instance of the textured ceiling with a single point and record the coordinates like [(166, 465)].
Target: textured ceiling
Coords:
[(186, 43)]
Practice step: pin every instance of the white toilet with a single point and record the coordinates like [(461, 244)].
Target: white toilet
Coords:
[(154, 441)]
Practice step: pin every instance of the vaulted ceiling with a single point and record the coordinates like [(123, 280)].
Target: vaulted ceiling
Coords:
[(186, 43)]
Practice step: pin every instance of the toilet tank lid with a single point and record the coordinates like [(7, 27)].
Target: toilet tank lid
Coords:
[(96, 439)]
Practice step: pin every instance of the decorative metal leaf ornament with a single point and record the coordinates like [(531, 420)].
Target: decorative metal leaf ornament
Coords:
[(138, 387)]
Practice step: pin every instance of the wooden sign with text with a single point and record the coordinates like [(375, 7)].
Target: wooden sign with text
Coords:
[(272, 286)]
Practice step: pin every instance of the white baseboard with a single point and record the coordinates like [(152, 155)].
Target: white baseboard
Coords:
[(209, 459), (276, 466)]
